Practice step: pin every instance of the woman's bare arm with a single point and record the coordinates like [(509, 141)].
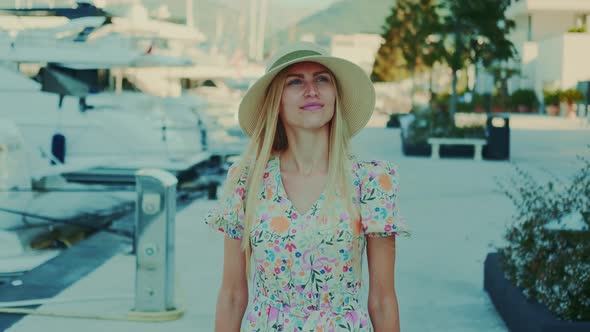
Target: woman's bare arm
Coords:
[(383, 306), (233, 295)]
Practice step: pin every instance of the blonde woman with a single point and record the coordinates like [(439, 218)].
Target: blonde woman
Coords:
[(301, 210)]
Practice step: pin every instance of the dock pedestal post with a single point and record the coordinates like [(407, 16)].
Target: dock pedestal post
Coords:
[(154, 241)]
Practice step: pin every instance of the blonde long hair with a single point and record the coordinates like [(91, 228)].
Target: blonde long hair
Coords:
[(269, 137)]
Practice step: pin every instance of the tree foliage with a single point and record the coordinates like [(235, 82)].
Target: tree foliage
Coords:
[(464, 32), (405, 48), (389, 63), (483, 28)]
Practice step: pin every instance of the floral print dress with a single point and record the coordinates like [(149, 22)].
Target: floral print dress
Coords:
[(305, 278)]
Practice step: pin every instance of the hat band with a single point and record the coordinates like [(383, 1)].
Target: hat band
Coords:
[(292, 56)]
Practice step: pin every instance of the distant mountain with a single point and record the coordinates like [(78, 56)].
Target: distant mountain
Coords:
[(343, 17), (224, 22), (205, 13)]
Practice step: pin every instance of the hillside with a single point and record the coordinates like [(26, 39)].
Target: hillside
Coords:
[(343, 17)]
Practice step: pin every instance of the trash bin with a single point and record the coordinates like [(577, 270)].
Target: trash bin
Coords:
[(583, 107), (498, 136)]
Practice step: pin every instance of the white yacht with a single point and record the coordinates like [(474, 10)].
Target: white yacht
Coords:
[(113, 131), (119, 134), (36, 224), (65, 125)]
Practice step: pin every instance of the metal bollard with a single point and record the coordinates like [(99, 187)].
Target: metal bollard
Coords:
[(154, 240)]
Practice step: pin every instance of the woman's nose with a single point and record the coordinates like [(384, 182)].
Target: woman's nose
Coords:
[(311, 90)]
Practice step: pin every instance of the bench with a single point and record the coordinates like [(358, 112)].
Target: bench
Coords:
[(478, 144)]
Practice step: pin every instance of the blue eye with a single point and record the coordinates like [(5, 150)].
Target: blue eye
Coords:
[(293, 82), (323, 78)]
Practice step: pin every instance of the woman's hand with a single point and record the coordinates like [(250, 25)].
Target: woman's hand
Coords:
[(383, 306), (233, 295)]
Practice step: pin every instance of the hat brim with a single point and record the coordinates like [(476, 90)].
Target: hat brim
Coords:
[(355, 89)]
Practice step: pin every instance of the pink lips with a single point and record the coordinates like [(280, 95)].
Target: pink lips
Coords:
[(312, 107)]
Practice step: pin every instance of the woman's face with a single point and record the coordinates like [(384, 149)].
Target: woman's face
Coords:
[(309, 96)]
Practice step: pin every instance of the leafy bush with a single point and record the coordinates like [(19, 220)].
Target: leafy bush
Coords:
[(419, 129), (551, 97), (524, 97), (466, 132), (482, 100), (550, 266), (579, 29), (443, 102), (434, 122), (393, 121), (571, 96)]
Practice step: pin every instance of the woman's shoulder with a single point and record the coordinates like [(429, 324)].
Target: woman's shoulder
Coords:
[(368, 166), (236, 168), (240, 171)]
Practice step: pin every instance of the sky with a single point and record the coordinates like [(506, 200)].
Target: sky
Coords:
[(300, 4), (280, 11), (311, 5), (305, 3)]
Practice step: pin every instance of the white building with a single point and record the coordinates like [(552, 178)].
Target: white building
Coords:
[(359, 48), (550, 57)]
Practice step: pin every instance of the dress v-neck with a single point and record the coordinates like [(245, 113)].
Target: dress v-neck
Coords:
[(283, 191)]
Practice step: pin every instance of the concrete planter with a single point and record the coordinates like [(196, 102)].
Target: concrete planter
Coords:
[(410, 149), (552, 110), (519, 314)]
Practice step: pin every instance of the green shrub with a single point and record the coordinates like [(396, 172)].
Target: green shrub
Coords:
[(481, 100), (434, 122), (443, 98), (571, 96), (580, 29), (443, 101), (467, 132), (419, 129), (550, 266), (524, 97), (551, 97), (393, 121)]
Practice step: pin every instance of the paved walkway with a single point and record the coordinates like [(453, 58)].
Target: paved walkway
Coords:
[(453, 207)]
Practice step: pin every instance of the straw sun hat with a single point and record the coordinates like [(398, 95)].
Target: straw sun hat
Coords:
[(355, 88)]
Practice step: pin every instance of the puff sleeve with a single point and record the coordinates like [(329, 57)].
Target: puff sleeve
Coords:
[(228, 216), (378, 183)]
